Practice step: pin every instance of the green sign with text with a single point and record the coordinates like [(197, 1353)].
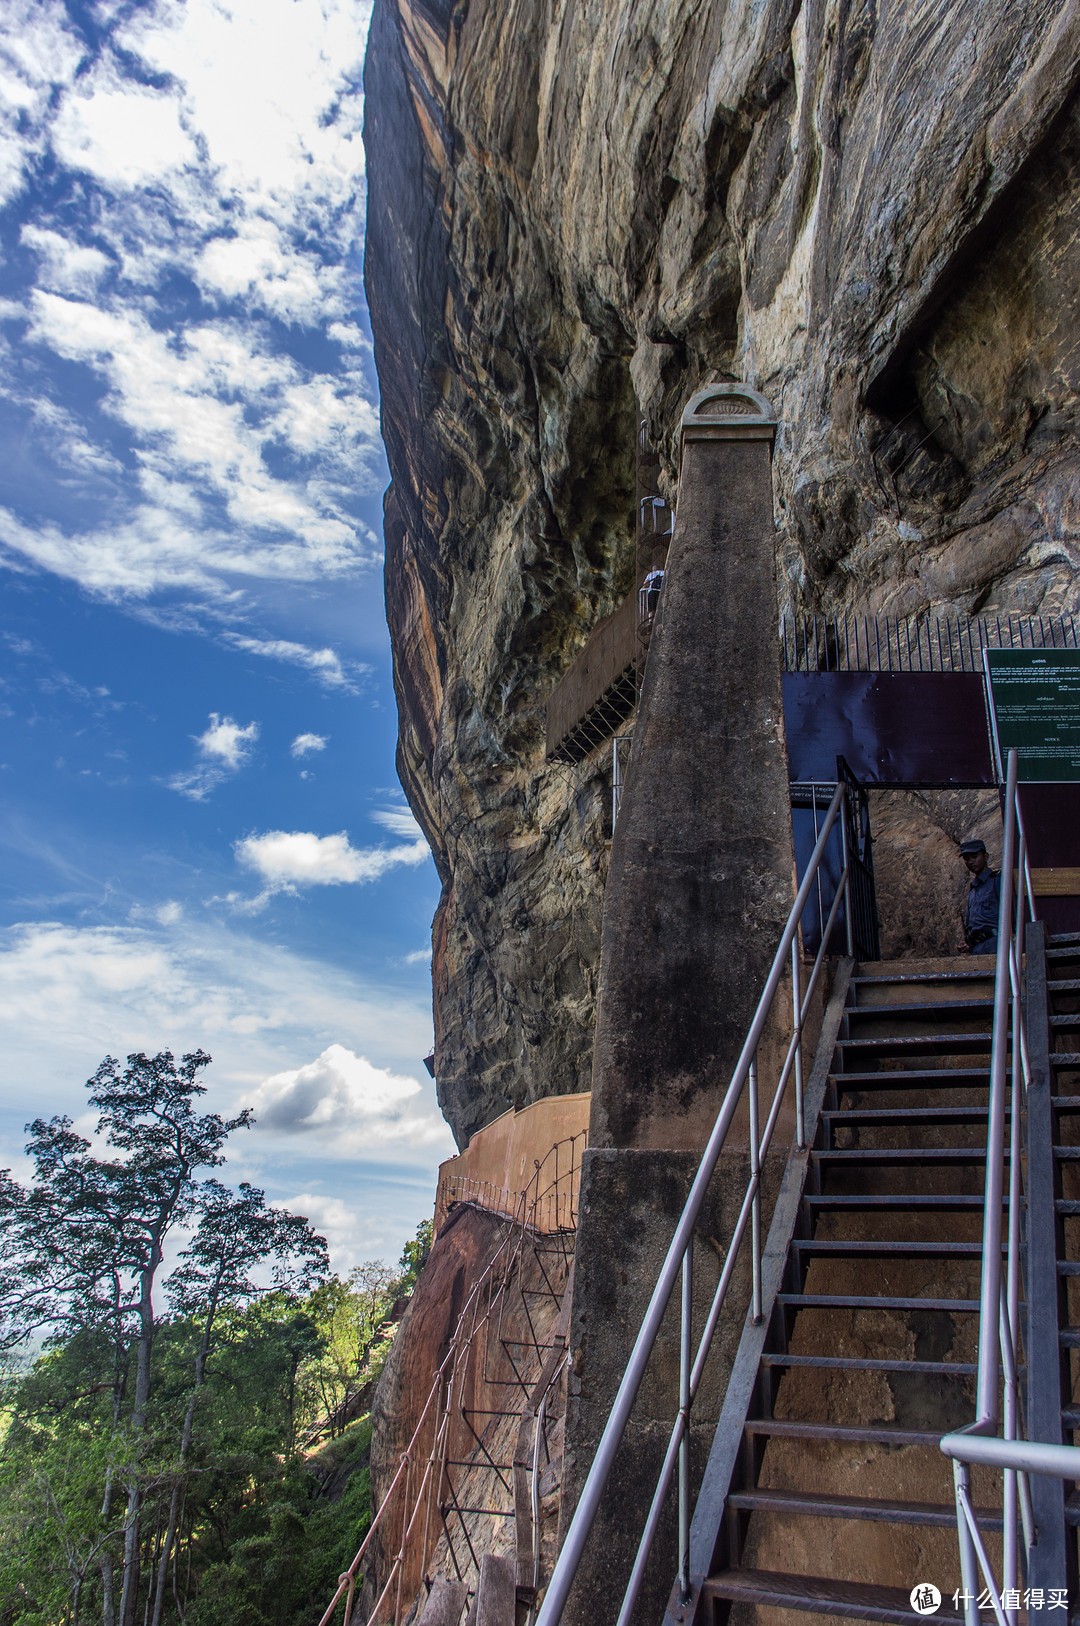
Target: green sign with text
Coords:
[(1035, 703)]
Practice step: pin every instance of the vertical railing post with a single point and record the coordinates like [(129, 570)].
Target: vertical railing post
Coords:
[(990, 1286), (1022, 896), (796, 1028), (845, 853), (969, 1565), (1010, 1486), (685, 1358), (755, 1178), (1010, 1567), (1048, 1559)]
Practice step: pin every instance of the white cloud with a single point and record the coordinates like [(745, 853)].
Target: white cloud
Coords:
[(226, 742), (326, 664), (241, 168), (71, 995), (181, 395), (343, 1099), (259, 262), (351, 1242), (225, 748), (121, 135), (304, 743), (38, 52), (272, 86), (88, 990), (348, 335), (66, 267), (399, 821), (287, 860)]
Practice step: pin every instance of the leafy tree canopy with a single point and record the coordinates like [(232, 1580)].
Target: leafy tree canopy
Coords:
[(191, 1443)]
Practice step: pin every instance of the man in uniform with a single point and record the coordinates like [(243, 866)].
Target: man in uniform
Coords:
[(983, 902)]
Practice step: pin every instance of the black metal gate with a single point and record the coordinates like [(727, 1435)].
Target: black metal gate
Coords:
[(865, 933)]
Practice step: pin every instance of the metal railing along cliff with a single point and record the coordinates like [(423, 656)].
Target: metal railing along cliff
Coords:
[(411, 1503), (679, 1260)]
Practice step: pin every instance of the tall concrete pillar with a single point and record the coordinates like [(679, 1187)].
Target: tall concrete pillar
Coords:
[(699, 889), (702, 863)]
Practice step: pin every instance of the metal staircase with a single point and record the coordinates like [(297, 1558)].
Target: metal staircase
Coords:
[(839, 1499)]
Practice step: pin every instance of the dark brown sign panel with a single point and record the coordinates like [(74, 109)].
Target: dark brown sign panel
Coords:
[(893, 728)]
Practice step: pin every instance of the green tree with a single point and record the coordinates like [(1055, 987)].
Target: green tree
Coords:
[(413, 1256), (235, 1234), (85, 1244)]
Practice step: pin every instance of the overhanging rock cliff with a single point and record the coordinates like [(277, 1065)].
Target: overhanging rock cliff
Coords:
[(580, 213)]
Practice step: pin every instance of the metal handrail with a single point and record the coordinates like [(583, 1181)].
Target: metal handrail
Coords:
[(997, 1401), (679, 1260)]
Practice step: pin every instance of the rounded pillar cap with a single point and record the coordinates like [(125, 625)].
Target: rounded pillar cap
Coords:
[(728, 412)]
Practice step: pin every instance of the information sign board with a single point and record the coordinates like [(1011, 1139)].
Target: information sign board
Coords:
[(1035, 705)]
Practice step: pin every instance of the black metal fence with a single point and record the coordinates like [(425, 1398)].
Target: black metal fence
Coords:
[(862, 643)]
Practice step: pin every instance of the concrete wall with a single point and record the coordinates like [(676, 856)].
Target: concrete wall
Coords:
[(500, 1161)]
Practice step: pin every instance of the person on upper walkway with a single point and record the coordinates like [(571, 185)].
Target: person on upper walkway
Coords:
[(980, 918)]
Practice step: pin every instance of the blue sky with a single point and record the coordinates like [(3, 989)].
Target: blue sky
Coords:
[(204, 841)]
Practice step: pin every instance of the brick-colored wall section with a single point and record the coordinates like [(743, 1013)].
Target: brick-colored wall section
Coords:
[(500, 1160)]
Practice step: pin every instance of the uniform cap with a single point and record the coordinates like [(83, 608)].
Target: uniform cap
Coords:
[(968, 847)]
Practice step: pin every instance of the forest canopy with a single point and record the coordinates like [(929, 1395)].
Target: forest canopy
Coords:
[(189, 1441)]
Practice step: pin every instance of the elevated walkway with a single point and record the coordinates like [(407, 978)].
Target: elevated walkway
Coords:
[(498, 1167)]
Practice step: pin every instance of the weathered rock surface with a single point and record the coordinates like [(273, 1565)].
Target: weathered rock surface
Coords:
[(868, 212)]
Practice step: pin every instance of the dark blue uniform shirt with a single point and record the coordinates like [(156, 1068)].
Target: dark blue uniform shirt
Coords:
[(984, 901)]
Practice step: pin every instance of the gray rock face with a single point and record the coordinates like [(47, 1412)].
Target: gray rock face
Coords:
[(867, 211)]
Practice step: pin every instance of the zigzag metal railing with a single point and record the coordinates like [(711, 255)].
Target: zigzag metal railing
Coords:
[(422, 1476), (679, 1260), (554, 1209), (999, 1405)]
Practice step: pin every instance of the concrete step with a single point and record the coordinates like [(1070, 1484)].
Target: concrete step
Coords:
[(887, 1250), (851, 1363), (938, 1044), (922, 1156), (855, 1599), (940, 1008), (913, 1078), (908, 1117), (912, 1202), (850, 1301), (784, 1428), (807, 1505)]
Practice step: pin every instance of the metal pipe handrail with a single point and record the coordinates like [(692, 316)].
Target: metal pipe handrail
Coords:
[(592, 1491), (986, 1404), (999, 1298), (1022, 1456)]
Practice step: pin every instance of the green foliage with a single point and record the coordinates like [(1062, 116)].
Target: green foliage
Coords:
[(414, 1254), (276, 1494), (205, 1464)]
